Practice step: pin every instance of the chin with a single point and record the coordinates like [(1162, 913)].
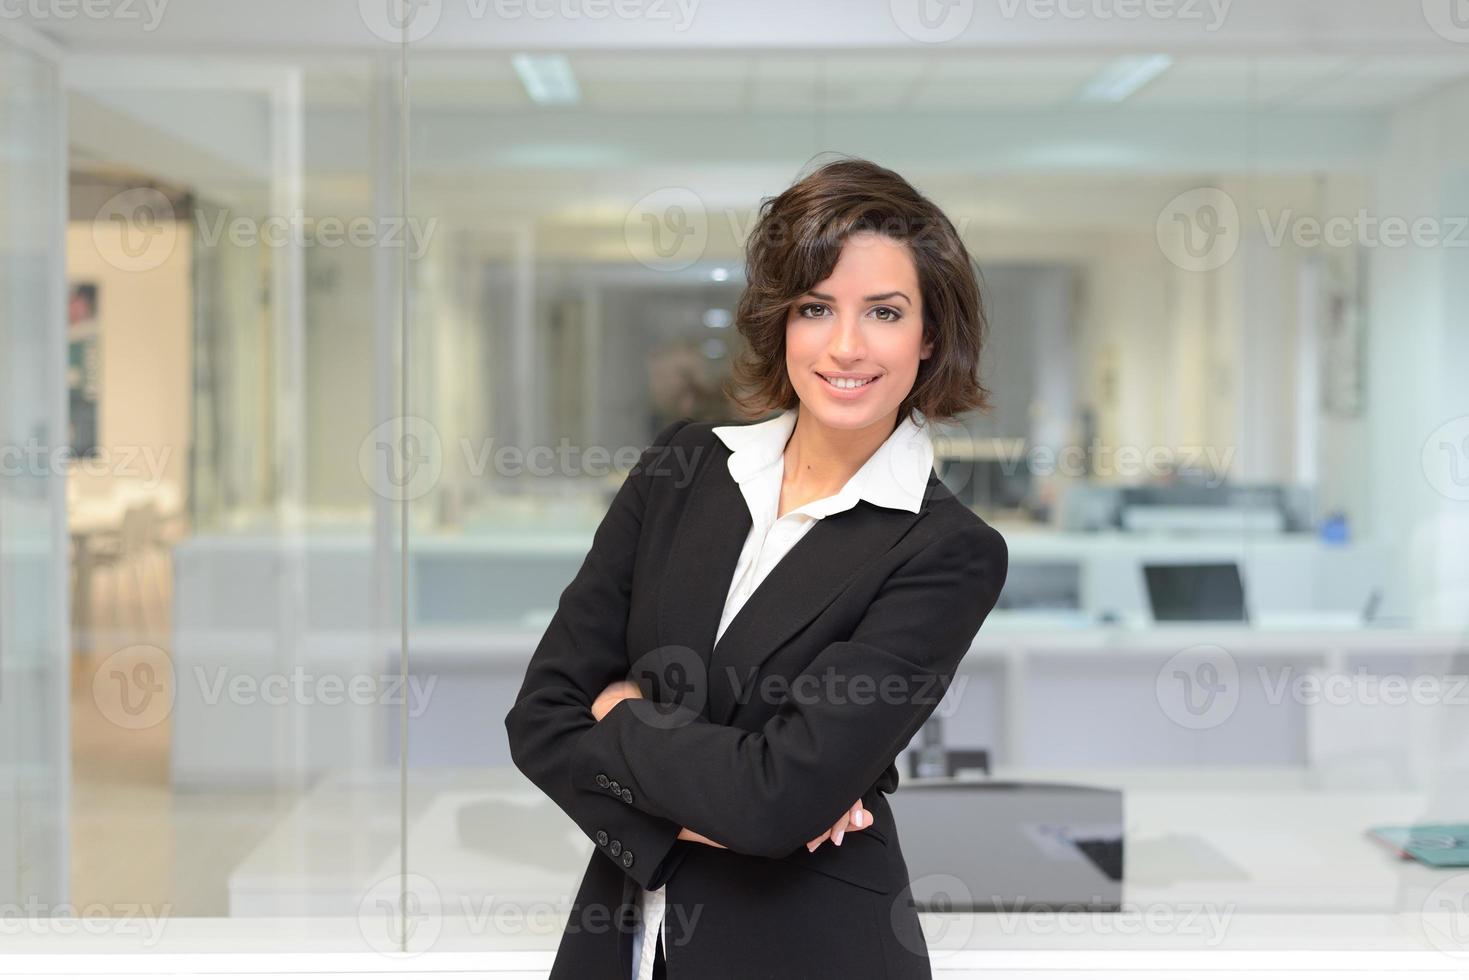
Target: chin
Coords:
[(836, 416)]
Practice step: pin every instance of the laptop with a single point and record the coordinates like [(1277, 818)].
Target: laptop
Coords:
[(1205, 593)]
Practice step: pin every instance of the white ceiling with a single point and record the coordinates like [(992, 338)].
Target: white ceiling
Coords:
[(729, 82), (728, 115), (735, 119), (1328, 26)]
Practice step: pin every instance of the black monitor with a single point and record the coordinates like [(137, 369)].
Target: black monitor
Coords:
[(1196, 593)]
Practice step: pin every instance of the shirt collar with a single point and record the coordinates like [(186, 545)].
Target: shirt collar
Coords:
[(895, 476)]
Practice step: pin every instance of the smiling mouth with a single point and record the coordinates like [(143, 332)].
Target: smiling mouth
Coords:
[(848, 384)]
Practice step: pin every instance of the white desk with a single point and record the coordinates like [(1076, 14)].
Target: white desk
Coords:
[(340, 843), (479, 604), (1254, 846)]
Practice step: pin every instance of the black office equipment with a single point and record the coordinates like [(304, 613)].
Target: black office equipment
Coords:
[(955, 763), (1105, 853), (994, 846), (1041, 586), (1196, 593)]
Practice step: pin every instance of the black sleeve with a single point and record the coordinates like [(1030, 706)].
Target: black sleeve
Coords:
[(583, 650), (840, 725)]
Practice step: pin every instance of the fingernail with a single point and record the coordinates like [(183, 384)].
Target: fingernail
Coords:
[(857, 817), (837, 837), (810, 848)]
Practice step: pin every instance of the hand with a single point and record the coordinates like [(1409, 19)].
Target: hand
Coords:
[(855, 818), (612, 694), (698, 838)]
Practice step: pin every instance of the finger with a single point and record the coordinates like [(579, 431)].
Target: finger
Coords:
[(814, 844), (839, 829), (711, 842)]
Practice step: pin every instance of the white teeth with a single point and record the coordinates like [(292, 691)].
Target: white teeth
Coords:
[(847, 382)]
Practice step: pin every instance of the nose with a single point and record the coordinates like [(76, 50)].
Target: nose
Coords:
[(847, 342)]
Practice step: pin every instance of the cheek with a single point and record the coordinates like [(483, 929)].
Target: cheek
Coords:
[(799, 344), (906, 350)]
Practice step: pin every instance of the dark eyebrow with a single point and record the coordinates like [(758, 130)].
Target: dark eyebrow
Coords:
[(865, 299)]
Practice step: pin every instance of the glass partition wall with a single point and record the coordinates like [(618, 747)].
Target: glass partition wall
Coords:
[(363, 337), (1213, 453), (34, 661), (234, 218)]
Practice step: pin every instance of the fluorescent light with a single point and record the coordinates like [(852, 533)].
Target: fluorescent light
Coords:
[(548, 78), (1124, 76)]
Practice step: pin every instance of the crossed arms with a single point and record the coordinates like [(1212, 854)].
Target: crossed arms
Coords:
[(764, 792)]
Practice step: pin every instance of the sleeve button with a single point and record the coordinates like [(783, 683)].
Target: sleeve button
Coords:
[(627, 859), (602, 780), (627, 796), (615, 847), (615, 787), (601, 838)]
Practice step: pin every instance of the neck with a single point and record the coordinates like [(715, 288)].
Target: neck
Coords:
[(819, 459)]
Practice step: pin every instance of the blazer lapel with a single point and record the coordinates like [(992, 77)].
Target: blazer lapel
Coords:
[(706, 548), (805, 581)]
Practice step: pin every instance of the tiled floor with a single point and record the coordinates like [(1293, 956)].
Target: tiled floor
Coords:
[(136, 842)]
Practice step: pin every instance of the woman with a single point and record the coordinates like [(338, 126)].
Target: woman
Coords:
[(768, 614)]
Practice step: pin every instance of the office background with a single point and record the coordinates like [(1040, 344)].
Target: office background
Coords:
[(1226, 259)]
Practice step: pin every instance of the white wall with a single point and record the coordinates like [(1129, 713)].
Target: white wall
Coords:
[(145, 321)]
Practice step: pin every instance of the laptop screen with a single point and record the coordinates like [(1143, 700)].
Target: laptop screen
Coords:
[(1194, 593)]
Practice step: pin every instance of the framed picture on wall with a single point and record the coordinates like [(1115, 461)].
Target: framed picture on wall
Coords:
[(83, 369)]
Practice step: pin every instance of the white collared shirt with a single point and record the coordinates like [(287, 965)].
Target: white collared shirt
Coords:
[(895, 476)]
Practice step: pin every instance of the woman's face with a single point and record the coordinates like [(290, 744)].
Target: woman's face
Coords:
[(863, 326)]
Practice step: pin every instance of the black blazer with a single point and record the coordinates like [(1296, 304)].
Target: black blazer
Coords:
[(760, 742)]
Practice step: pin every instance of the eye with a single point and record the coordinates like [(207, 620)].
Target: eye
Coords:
[(896, 313), (808, 306)]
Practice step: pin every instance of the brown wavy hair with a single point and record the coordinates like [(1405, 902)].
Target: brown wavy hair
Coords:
[(795, 245)]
